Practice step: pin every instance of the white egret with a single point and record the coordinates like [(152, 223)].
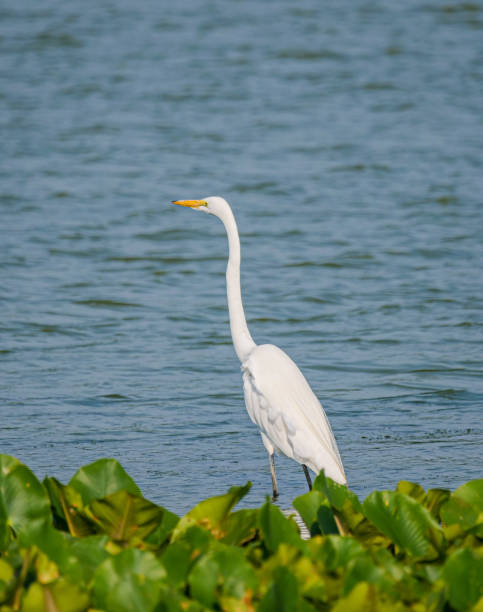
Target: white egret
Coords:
[(278, 397)]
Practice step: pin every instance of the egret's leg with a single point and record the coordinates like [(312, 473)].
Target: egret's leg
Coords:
[(274, 477), (307, 476), (271, 452)]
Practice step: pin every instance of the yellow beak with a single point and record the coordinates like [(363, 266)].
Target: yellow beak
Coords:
[(190, 203)]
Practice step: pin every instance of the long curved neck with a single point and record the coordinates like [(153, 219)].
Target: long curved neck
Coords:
[(242, 340)]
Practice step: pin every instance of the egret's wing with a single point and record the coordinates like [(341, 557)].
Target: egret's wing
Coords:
[(280, 401)]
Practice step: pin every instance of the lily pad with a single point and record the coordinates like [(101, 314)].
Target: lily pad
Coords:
[(278, 529), (24, 504), (408, 524), (128, 581), (102, 478)]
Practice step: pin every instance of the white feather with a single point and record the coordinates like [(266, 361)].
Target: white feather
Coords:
[(280, 401)]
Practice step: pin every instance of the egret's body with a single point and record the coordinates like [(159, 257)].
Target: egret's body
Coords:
[(278, 398)]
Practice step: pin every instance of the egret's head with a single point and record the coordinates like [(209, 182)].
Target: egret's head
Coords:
[(213, 205)]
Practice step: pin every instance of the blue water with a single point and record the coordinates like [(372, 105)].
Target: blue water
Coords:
[(348, 139)]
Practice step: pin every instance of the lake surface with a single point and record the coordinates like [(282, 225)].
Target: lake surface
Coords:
[(347, 137)]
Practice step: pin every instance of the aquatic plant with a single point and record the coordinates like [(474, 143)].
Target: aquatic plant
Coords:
[(98, 544)]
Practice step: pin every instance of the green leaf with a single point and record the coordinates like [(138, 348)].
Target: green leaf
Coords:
[(164, 529), (346, 508), (305, 568), (211, 512), (277, 528), (364, 597), (282, 595), (173, 601), (338, 551), (240, 527), (307, 505), (177, 559), (434, 499), (408, 524), (24, 504), (60, 596), (199, 539), (76, 558), (326, 519), (472, 493), (102, 478), (124, 517), (33, 600), (68, 597), (128, 581), (363, 569), (7, 574), (67, 505), (83, 556), (180, 556), (468, 499), (237, 575), (337, 494), (458, 511), (463, 511), (411, 489), (463, 574), (6, 571), (203, 581), (222, 572)]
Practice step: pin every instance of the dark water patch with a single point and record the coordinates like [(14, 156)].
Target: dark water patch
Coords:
[(393, 50), (14, 261), (77, 285), (318, 300), (309, 55), (379, 86), (275, 233), (435, 435), (261, 186), (314, 264), (436, 369), (446, 200), (383, 341), (116, 397), (439, 300), (466, 7), (458, 238), (54, 329), (428, 253), (389, 308), (212, 342), (351, 168), (468, 324), (169, 234), (11, 198), (346, 260), (361, 168), (105, 303), (80, 91), (50, 38), (74, 253), (171, 260), (289, 320)]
